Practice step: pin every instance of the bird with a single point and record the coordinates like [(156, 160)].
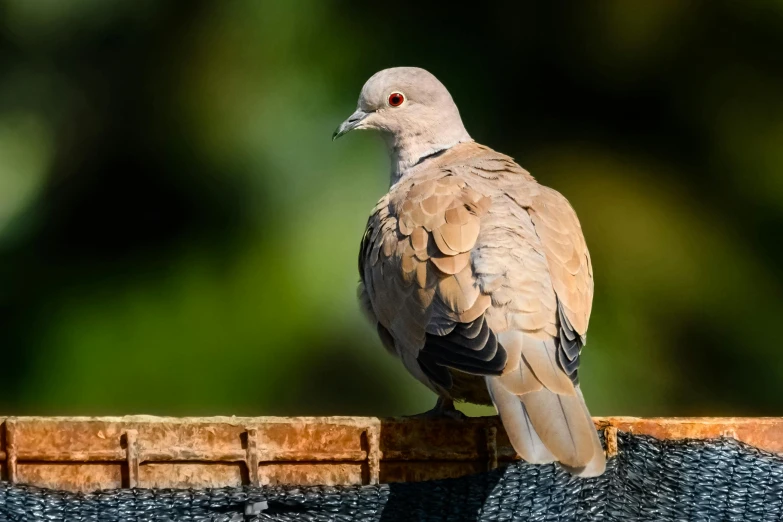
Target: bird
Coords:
[(476, 276)]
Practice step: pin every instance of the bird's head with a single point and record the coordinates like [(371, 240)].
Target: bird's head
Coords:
[(411, 109)]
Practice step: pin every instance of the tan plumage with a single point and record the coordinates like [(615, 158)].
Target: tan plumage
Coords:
[(481, 280)]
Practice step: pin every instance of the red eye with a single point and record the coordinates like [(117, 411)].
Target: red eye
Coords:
[(396, 99)]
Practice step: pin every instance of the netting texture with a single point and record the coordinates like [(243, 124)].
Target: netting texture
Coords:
[(649, 480)]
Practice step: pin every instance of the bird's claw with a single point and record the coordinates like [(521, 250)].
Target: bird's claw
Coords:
[(444, 408)]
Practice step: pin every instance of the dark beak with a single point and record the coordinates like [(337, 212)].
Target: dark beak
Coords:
[(350, 124)]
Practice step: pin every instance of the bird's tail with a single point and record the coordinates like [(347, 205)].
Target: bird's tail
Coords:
[(545, 426)]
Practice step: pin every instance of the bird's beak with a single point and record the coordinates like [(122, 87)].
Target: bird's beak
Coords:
[(350, 124)]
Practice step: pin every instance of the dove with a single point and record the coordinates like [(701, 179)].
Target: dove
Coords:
[(475, 276)]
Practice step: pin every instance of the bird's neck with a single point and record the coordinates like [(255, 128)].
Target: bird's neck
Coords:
[(413, 148)]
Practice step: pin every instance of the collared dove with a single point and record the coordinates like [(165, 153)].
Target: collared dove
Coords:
[(476, 277)]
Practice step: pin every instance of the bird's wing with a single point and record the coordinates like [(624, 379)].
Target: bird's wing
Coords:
[(567, 257), (533, 262), (418, 282)]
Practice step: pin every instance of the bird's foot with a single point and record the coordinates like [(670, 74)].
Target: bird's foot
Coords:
[(443, 408)]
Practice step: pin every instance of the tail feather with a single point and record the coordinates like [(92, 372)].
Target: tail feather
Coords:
[(519, 428), (560, 422), (544, 426), (597, 464)]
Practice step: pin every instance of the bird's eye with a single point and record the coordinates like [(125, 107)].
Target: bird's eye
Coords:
[(396, 99)]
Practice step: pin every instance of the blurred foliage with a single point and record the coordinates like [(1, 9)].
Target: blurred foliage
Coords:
[(178, 235)]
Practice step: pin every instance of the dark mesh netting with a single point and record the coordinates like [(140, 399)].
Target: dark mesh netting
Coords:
[(718, 480)]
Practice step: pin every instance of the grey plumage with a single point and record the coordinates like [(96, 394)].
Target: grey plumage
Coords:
[(477, 277)]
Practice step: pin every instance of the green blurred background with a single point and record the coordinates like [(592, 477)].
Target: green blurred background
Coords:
[(178, 234)]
